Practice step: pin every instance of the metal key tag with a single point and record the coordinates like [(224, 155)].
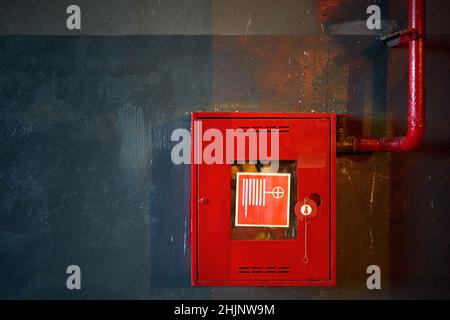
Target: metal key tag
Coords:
[(306, 211)]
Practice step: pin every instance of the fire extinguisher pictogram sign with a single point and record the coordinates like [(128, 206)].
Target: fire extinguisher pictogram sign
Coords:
[(262, 199)]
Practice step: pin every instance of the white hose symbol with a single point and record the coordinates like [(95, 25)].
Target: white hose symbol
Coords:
[(254, 193)]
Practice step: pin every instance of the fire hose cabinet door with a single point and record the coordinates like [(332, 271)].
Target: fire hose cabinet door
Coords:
[(263, 199)]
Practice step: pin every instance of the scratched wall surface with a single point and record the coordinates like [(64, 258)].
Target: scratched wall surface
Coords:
[(85, 168), (85, 124)]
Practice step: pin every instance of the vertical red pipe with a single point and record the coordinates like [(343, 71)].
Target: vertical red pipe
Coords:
[(416, 92)]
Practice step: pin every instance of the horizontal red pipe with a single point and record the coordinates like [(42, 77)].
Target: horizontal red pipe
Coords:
[(416, 93)]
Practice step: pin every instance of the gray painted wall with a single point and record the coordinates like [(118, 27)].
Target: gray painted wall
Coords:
[(85, 127)]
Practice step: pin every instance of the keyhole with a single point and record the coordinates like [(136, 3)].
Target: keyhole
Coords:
[(316, 198)]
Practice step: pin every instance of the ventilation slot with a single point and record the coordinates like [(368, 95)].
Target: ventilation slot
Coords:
[(263, 270), (282, 129)]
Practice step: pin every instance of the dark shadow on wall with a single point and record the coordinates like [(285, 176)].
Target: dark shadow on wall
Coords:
[(420, 222)]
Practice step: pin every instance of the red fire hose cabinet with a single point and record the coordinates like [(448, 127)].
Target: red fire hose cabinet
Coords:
[(256, 222)]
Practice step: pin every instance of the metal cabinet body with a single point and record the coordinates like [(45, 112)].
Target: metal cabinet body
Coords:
[(224, 254)]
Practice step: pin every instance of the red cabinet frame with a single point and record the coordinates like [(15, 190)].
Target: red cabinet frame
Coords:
[(310, 140)]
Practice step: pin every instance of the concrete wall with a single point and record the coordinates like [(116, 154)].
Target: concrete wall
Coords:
[(86, 121)]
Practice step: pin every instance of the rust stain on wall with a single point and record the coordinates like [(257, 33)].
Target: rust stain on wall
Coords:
[(281, 73)]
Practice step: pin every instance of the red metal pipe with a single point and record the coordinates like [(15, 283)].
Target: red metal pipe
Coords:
[(416, 92)]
